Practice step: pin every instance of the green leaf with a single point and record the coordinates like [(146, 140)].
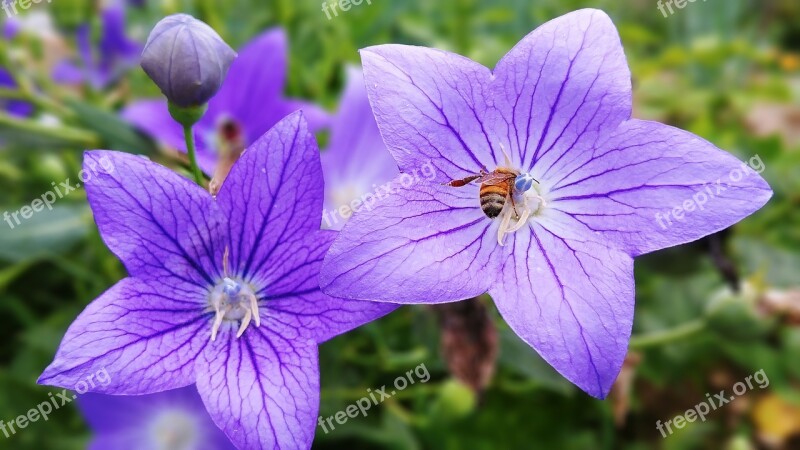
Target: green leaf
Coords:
[(45, 233)]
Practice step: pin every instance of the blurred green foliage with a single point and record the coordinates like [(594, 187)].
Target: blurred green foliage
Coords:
[(708, 68)]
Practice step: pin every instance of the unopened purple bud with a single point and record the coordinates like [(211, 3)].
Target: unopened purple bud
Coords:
[(186, 59)]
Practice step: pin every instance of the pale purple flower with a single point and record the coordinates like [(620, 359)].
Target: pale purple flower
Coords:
[(249, 103), (175, 419), (559, 266), (104, 63), (356, 163), (222, 292)]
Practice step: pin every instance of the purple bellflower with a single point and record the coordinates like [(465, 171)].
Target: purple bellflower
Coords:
[(103, 64), (357, 163), (588, 189), (248, 104), (175, 419), (223, 292)]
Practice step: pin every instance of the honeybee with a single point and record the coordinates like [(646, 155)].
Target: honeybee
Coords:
[(497, 187)]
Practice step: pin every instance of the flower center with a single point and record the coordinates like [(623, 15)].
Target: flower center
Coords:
[(526, 202), (233, 301), (174, 430)]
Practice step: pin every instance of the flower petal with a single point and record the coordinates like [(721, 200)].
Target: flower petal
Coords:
[(158, 223), (357, 161), (152, 117), (134, 422), (255, 79), (571, 300), (145, 335), (273, 195), (430, 106), (427, 244), (262, 389), (560, 89), (293, 295), (628, 194)]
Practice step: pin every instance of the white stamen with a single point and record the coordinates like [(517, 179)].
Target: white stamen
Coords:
[(233, 301), (248, 315), (506, 214)]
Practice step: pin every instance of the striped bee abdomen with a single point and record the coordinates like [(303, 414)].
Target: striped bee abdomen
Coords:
[(493, 198)]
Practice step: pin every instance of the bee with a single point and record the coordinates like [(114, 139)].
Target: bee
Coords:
[(497, 188)]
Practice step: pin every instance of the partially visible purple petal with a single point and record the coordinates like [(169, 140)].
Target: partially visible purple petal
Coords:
[(261, 389), (293, 294), (560, 90), (255, 80), (272, 197), (426, 244), (316, 117), (431, 107), (13, 107), (571, 300), (146, 421), (356, 161), (628, 194), (144, 335), (66, 72), (160, 225), (152, 117)]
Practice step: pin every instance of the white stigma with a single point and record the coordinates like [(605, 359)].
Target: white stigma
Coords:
[(525, 204), (233, 301)]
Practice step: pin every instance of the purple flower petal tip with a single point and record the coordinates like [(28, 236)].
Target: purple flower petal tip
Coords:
[(573, 189)]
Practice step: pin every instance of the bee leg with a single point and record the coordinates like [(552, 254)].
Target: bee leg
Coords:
[(513, 205)]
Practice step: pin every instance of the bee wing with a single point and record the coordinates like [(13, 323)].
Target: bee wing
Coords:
[(494, 178)]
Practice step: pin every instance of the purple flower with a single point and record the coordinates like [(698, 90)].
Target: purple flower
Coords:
[(248, 104), (175, 419), (588, 185), (103, 65), (357, 162), (222, 292)]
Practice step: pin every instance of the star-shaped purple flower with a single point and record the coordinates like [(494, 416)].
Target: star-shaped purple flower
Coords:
[(248, 104), (576, 188), (102, 64), (357, 162), (222, 292), (175, 419)]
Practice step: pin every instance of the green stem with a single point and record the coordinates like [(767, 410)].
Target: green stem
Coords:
[(658, 338), (190, 148)]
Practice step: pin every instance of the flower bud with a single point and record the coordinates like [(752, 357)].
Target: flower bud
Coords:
[(186, 59)]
